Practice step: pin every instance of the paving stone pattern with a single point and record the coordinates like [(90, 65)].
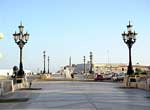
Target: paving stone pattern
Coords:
[(69, 95)]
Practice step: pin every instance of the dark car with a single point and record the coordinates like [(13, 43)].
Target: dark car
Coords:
[(98, 77)]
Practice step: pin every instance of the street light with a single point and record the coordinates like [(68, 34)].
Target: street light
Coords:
[(91, 63), (44, 60), (84, 63), (129, 38), (48, 64), (21, 39), (1, 35)]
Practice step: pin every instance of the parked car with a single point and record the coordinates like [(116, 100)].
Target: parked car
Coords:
[(98, 77), (107, 76), (118, 77)]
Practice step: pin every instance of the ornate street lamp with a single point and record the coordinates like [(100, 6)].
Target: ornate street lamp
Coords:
[(48, 64), (84, 64), (21, 39), (91, 63), (44, 61), (1, 35), (129, 38)]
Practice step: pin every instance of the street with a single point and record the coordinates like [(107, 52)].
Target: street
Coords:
[(76, 95)]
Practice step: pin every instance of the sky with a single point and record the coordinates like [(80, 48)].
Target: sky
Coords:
[(65, 28)]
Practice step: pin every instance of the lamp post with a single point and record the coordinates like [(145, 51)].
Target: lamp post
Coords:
[(129, 38), (44, 60), (84, 63), (91, 63), (21, 39), (1, 35), (48, 64)]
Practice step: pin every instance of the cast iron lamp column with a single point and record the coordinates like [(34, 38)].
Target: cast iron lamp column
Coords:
[(91, 63), (84, 64), (129, 38), (21, 39), (48, 64), (44, 60), (1, 35)]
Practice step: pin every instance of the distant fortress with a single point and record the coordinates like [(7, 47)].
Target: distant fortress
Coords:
[(103, 67)]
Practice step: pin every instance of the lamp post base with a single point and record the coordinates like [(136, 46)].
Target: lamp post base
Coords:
[(20, 74), (130, 72), (91, 72)]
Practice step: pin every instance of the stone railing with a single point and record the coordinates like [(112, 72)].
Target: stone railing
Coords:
[(140, 82), (6, 86), (23, 84)]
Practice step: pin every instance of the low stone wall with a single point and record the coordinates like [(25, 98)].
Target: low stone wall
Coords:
[(133, 84), (6, 86), (138, 84), (20, 85), (148, 87), (23, 84)]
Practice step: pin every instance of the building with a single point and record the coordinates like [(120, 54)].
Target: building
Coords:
[(117, 68), (103, 68)]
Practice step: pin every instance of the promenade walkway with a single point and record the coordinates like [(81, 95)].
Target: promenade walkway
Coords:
[(69, 95)]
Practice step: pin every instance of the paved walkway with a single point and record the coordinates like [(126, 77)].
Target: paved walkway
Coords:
[(68, 95)]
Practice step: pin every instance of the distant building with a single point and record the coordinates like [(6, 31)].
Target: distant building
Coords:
[(117, 68), (79, 68), (102, 68)]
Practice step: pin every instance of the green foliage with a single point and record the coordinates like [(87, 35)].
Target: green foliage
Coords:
[(143, 73), (138, 71)]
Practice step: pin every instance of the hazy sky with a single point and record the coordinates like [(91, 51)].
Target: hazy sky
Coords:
[(73, 28)]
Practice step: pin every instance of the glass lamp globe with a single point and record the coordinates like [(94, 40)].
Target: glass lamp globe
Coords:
[(1, 35)]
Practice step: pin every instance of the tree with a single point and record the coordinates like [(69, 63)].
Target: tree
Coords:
[(138, 71)]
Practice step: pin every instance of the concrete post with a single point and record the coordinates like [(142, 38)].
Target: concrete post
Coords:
[(12, 84), (2, 88), (126, 81)]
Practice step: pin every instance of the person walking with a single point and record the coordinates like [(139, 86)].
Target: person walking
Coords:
[(30, 84)]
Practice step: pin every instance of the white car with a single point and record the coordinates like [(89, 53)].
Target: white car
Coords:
[(118, 77), (108, 76)]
